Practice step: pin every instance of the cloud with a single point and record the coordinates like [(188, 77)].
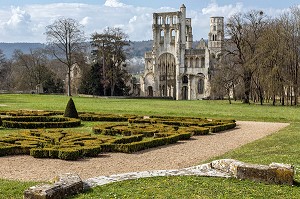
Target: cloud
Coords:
[(27, 23), (85, 21), (114, 3), (15, 23), (213, 9), (18, 18)]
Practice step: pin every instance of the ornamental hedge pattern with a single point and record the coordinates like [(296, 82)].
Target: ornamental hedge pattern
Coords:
[(35, 122), (112, 133)]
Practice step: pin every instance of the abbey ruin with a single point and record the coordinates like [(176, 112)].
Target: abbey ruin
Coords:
[(174, 68)]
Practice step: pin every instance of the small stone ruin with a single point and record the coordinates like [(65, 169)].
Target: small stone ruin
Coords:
[(63, 186), (275, 173), (70, 184)]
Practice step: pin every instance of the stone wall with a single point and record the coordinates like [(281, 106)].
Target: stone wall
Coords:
[(275, 173), (70, 184)]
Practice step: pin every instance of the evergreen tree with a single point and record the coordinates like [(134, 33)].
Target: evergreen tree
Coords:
[(71, 109)]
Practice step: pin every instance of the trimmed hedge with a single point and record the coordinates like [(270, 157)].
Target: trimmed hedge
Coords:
[(128, 139), (142, 145), (120, 133), (195, 130), (103, 118), (222, 127), (69, 154), (29, 113), (35, 122), (52, 144), (71, 111)]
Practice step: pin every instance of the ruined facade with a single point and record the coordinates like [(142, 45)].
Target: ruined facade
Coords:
[(174, 68)]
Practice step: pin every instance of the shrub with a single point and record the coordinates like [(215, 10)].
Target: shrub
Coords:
[(222, 127), (69, 154), (34, 122), (103, 117), (196, 130), (71, 110), (91, 151), (39, 153), (128, 139), (0, 121)]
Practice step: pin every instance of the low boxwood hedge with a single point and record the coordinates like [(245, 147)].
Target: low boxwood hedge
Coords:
[(69, 154), (35, 122), (222, 127), (120, 133), (105, 117), (142, 145), (52, 144)]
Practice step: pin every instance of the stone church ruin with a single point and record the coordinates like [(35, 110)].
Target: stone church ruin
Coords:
[(174, 68)]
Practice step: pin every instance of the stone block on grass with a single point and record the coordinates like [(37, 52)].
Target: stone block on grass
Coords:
[(63, 185)]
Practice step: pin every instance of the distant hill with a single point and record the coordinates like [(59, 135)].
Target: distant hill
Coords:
[(136, 48), (9, 48)]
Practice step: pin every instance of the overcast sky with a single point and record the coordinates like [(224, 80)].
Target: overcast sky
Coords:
[(25, 21)]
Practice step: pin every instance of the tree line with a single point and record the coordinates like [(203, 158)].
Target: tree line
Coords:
[(51, 68), (260, 61)]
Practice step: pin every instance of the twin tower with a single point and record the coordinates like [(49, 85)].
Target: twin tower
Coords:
[(177, 67)]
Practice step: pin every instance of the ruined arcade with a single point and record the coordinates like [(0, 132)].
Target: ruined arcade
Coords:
[(174, 68)]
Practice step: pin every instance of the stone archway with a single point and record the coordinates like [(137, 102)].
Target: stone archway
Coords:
[(185, 93), (167, 74), (150, 91)]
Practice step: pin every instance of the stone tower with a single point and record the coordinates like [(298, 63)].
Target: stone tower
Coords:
[(174, 68), (216, 35)]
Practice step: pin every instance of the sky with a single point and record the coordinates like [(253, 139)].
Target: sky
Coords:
[(25, 21)]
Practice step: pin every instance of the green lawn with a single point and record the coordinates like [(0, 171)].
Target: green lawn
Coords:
[(280, 147)]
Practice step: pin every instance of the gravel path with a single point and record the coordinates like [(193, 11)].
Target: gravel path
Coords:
[(181, 155)]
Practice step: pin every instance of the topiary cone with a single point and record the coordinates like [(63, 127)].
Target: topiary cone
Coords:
[(71, 110)]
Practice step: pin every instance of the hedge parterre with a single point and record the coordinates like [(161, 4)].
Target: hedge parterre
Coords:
[(118, 133)]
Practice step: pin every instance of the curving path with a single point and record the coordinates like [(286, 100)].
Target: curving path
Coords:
[(176, 156)]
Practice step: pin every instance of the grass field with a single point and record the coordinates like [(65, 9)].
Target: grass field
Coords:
[(280, 147)]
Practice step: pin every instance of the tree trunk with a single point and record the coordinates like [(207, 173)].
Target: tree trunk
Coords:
[(228, 93), (247, 84), (69, 82), (295, 95)]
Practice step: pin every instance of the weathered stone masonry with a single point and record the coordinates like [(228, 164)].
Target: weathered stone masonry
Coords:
[(174, 68)]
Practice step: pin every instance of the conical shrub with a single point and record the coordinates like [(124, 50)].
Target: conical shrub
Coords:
[(71, 109)]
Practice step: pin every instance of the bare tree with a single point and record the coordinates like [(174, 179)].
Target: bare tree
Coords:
[(65, 39), (245, 32), (4, 70), (225, 77)]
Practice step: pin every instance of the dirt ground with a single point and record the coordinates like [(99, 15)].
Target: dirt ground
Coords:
[(180, 155)]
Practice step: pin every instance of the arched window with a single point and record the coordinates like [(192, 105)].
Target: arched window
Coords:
[(150, 91), (162, 35), (167, 20), (159, 20), (174, 20), (186, 62), (192, 62), (201, 86), (202, 62), (173, 33), (185, 79), (163, 91), (197, 62), (187, 29), (214, 28)]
